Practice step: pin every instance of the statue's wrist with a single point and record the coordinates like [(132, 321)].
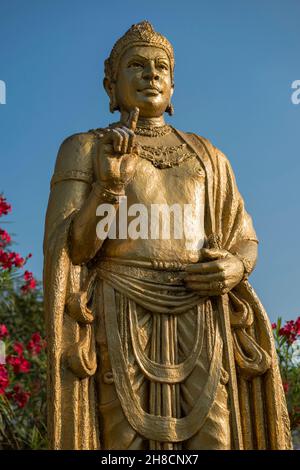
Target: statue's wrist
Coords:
[(247, 266), (108, 192)]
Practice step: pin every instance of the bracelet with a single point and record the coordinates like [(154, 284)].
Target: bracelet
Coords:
[(106, 194), (247, 265)]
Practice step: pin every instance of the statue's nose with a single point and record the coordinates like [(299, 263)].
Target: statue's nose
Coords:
[(150, 72)]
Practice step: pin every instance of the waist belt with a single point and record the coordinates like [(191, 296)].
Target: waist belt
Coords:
[(155, 290)]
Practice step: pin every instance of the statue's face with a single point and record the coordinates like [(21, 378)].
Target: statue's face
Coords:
[(144, 80)]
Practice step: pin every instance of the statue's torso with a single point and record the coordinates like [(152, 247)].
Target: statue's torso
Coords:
[(181, 184)]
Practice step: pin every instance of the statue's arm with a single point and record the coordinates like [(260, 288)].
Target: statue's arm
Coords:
[(246, 245), (247, 252), (114, 161), (70, 185), (73, 191), (84, 241)]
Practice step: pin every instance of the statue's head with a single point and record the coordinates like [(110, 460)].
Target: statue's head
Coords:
[(140, 71)]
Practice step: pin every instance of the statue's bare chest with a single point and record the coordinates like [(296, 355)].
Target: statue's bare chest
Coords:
[(167, 198), (166, 175)]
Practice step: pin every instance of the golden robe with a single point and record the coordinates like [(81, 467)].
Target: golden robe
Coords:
[(258, 414)]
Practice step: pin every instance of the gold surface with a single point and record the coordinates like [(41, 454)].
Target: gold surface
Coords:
[(152, 345)]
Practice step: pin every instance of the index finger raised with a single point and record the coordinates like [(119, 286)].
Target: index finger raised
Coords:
[(133, 118)]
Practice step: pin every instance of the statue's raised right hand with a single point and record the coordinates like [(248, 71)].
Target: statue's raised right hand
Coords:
[(117, 153)]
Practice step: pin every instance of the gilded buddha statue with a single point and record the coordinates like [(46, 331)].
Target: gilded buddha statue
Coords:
[(154, 342)]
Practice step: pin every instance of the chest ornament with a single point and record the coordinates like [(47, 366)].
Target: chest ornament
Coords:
[(153, 131), (163, 157)]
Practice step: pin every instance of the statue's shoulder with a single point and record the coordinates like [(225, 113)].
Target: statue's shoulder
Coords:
[(216, 155), (78, 139), (80, 144), (76, 151)]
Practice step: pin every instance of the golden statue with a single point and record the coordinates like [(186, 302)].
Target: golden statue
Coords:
[(154, 341)]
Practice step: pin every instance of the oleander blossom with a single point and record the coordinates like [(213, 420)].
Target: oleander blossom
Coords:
[(10, 259), (30, 282), (5, 238), (4, 379), (19, 396), (285, 387), (5, 208), (291, 330), (4, 333), (18, 348), (36, 344), (18, 362)]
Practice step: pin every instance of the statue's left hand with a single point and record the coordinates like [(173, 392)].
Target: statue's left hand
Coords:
[(218, 272)]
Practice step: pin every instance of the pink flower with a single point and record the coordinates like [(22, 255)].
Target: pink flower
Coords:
[(27, 275), (36, 337), (5, 238), (8, 259), (4, 379), (19, 364), (18, 348), (5, 260), (3, 331), (35, 345), (25, 365), (274, 326), (291, 330), (22, 398), (4, 207), (297, 325), (30, 282), (285, 387), (18, 260), (19, 396)]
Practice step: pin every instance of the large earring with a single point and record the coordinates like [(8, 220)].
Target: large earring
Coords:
[(170, 109), (113, 105)]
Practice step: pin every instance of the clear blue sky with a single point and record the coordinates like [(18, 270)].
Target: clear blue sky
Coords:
[(235, 62)]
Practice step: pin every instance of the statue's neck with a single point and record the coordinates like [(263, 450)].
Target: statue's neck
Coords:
[(146, 122)]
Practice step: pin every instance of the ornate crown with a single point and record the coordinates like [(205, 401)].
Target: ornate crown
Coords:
[(139, 34)]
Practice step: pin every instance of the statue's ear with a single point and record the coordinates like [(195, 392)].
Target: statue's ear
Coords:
[(172, 89), (110, 90), (170, 107), (108, 86)]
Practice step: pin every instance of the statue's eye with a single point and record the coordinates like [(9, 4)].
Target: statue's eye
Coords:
[(162, 66), (135, 64)]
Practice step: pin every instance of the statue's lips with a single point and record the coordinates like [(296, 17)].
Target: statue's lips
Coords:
[(150, 91)]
